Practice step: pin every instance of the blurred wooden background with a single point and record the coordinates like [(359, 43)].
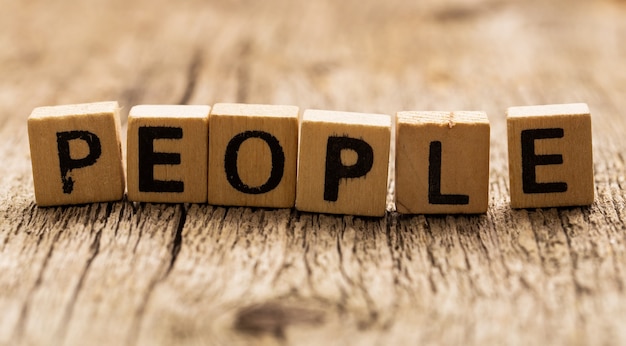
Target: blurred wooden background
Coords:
[(126, 274)]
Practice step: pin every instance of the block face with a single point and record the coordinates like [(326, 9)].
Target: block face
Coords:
[(550, 156), (343, 163), (167, 151), (253, 152), (442, 162), (76, 153)]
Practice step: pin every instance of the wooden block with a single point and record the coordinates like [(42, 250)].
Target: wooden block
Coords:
[(253, 155), (550, 156), (167, 153), (343, 163), (76, 153), (442, 162)]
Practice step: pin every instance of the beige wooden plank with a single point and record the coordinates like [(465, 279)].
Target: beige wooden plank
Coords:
[(56, 255), (243, 275)]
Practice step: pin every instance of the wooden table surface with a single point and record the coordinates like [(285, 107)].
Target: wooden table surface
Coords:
[(138, 273)]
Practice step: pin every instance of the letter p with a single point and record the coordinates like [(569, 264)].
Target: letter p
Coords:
[(67, 163)]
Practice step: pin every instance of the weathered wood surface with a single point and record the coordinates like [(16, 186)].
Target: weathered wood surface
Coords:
[(123, 273)]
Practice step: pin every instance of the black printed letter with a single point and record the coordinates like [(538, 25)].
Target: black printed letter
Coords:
[(335, 170), (232, 153), (148, 158), (434, 179), (530, 161), (67, 163)]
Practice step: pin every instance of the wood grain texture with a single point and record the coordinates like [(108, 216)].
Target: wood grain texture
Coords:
[(145, 274)]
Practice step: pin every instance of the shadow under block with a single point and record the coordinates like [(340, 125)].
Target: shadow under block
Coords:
[(76, 153), (442, 162), (550, 156), (167, 153), (253, 151), (343, 163)]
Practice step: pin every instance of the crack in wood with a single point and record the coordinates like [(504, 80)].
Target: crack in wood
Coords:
[(178, 239)]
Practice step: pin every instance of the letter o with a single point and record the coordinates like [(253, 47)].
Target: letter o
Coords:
[(232, 153)]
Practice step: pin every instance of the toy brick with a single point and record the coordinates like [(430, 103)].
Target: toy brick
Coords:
[(343, 163), (167, 153), (76, 153), (253, 152), (442, 162), (550, 156)]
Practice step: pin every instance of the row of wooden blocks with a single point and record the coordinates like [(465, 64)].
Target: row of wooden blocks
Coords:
[(321, 161)]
